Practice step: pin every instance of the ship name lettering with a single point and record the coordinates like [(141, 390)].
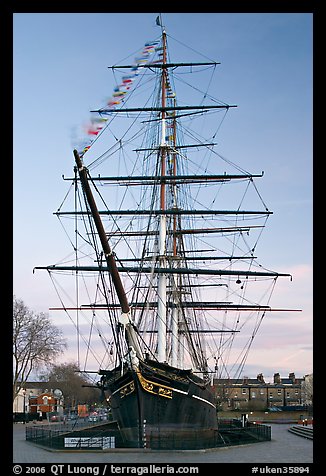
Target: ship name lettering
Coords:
[(164, 392), (127, 389)]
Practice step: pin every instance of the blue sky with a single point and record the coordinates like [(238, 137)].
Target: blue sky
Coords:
[(60, 73)]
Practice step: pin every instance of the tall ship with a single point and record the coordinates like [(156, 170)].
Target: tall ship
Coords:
[(161, 281)]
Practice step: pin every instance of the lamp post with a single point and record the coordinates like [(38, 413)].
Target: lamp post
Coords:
[(29, 401), (24, 403)]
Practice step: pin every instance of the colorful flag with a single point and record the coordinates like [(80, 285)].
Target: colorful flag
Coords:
[(119, 92)]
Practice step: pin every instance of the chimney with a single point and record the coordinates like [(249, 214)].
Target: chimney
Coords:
[(292, 377), (277, 378), (260, 377)]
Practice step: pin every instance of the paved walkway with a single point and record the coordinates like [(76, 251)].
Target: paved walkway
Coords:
[(285, 447)]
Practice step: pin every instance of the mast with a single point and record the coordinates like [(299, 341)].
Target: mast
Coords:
[(161, 312), (175, 318)]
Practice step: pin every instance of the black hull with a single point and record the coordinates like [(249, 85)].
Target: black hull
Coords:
[(160, 402)]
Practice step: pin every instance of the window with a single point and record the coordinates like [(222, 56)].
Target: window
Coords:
[(244, 391)]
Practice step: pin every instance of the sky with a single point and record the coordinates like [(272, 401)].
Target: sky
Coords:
[(60, 73)]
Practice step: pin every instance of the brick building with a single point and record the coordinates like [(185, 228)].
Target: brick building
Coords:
[(36, 397), (45, 403), (256, 394)]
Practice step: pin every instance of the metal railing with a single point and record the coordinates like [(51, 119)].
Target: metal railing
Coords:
[(104, 437), (68, 437)]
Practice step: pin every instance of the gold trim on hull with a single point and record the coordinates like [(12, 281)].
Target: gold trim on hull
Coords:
[(155, 388), (125, 389)]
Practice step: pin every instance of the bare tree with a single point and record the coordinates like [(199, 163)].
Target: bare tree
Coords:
[(68, 378), (36, 342)]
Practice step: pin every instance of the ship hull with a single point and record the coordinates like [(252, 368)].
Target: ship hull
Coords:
[(157, 403)]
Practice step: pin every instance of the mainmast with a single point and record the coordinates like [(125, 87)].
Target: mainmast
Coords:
[(176, 337), (161, 312)]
